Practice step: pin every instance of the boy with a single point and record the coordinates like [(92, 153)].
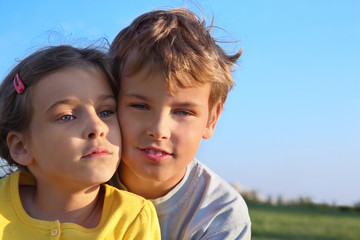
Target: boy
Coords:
[(174, 82)]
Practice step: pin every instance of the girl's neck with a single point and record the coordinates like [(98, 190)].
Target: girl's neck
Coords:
[(83, 208)]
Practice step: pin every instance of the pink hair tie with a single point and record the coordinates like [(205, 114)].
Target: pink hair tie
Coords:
[(18, 84)]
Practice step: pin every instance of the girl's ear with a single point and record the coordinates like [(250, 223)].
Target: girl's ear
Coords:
[(17, 147), (213, 117)]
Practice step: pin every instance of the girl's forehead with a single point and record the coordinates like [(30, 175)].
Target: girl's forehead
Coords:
[(71, 82)]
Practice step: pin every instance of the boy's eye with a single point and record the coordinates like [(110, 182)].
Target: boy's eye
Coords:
[(139, 106), (183, 113), (105, 113), (66, 118)]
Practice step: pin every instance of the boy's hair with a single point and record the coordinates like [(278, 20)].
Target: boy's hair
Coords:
[(16, 109), (178, 44)]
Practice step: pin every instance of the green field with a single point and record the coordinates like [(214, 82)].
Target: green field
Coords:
[(303, 222)]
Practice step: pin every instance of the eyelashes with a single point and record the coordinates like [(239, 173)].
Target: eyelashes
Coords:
[(177, 112)]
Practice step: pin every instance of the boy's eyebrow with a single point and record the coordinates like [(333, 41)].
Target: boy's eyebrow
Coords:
[(136, 95), (189, 104), (179, 104), (74, 101)]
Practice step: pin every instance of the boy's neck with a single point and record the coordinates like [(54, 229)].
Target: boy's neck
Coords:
[(146, 188), (83, 208), (149, 190)]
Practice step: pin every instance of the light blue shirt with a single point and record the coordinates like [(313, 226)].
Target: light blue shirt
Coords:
[(203, 206)]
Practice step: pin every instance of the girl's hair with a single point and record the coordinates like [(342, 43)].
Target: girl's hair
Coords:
[(16, 109), (178, 44)]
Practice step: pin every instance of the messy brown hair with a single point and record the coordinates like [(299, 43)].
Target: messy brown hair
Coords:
[(178, 44), (16, 109)]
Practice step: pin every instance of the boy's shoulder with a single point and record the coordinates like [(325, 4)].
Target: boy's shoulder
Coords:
[(203, 183), (213, 205), (214, 188)]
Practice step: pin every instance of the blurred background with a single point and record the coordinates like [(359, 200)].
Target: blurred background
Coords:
[(291, 125)]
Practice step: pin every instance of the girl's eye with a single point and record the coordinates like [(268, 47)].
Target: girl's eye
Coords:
[(66, 118), (105, 113)]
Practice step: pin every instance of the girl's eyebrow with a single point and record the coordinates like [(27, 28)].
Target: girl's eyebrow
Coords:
[(69, 102), (74, 101), (107, 96)]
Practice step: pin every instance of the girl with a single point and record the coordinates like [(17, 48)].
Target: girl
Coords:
[(58, 124)]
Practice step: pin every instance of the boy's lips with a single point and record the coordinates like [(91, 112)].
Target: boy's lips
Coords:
[(155, 154), (97, 151)]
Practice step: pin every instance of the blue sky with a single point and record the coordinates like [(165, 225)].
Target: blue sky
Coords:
[(290, 127)]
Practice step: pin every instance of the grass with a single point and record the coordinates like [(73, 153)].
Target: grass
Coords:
[(303, 222)]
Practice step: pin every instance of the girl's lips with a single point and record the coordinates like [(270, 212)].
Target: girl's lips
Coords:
[(97, 152)]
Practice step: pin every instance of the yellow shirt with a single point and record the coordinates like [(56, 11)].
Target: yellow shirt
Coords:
[(124, 216)]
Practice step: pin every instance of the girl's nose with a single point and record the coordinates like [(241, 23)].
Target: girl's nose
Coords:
[(95, 127)]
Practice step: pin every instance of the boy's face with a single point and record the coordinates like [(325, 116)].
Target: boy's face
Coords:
[(74, 134), (161, 132)]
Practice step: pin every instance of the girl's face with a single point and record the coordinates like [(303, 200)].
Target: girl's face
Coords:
[(74, 134)]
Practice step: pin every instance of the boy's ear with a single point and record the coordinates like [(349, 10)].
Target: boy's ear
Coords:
[(17, 147), (213, 117)]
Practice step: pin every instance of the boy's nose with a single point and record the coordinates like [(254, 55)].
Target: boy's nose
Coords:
[(158, 128)]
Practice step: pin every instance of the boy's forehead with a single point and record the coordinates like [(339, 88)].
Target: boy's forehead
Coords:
[(148, 73), (148, 82)]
